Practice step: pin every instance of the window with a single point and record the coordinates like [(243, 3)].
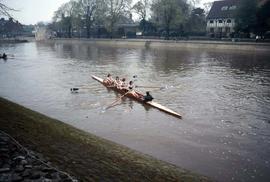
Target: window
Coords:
[(229, 21), (211, 21), (224, 8), (227, 30), (212, 30), (220, 21)]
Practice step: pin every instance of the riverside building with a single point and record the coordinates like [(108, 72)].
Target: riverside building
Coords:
[(221, 18)]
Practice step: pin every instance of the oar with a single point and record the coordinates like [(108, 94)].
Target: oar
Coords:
[(114, 102), (161, 88), (75, 89), (78, 88)]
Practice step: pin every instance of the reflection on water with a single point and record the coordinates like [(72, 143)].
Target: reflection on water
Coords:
[(224, 98)]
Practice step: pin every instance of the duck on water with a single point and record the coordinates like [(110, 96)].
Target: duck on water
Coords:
[(3, 56)]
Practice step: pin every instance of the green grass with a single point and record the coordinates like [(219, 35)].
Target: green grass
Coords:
[(86, 156)]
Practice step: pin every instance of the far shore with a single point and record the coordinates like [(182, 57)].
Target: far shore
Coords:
[(83, 155), (12, 40), (172, 44)]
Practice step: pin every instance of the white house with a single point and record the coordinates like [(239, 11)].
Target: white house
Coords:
[(221, 18)]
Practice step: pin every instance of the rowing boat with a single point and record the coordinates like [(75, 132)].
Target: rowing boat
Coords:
[(149, 103)]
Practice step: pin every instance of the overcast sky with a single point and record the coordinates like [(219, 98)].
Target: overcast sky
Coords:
[(33, 11)]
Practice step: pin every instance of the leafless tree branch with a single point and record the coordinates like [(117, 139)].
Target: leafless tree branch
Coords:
[(5, 10)]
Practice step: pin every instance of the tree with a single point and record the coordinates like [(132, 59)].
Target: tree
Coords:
[(207, 7), (115, 9), (263, 17), (169, 14), (148, 27), (88, 8), (5, 10), (246, 19), (194, 2), (197, 21), (67, 14), (141, 8), (12, 27)]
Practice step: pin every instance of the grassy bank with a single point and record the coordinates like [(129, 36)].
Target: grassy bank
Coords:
[(84, 155)]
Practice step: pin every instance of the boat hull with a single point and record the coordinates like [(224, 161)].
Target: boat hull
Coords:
[(149, 103)]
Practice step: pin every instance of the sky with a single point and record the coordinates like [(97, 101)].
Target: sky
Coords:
[(33, 11)]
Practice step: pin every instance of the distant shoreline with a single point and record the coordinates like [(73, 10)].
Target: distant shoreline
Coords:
[(174, 44), (84, 155), (12, 41)]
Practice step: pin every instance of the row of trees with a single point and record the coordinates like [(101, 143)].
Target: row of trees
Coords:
[(156, 17), (253, 17), (79, 15)]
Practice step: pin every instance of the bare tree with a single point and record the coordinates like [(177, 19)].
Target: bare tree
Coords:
[(169, 13), (207, 7), (141, 8), (115, 9), (194, 2), (88, 8), (5, 10), (67, 14)]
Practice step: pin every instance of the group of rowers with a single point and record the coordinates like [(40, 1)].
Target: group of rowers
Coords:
[(126, 87), (3, 56)]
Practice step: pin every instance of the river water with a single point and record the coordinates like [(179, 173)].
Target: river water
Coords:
[(223, 96)]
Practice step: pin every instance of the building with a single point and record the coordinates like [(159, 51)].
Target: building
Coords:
[(221, 18)]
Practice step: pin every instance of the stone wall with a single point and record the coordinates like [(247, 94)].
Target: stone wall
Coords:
[(165, 44)]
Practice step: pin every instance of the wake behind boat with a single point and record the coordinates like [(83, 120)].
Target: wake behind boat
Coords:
[(139, 99)]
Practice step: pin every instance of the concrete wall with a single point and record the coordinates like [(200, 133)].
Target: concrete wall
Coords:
[(220, 45)]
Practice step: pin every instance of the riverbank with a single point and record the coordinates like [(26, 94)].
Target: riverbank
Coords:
[(19, 164), (84, 155), (12, 41), (172, 44)]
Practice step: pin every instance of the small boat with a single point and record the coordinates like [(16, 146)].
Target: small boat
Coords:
[(149, 103)]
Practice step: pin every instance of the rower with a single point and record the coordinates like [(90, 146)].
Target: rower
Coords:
[(147, 97), (130, 87), (108, 80), (117, 82), (123, 84)]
